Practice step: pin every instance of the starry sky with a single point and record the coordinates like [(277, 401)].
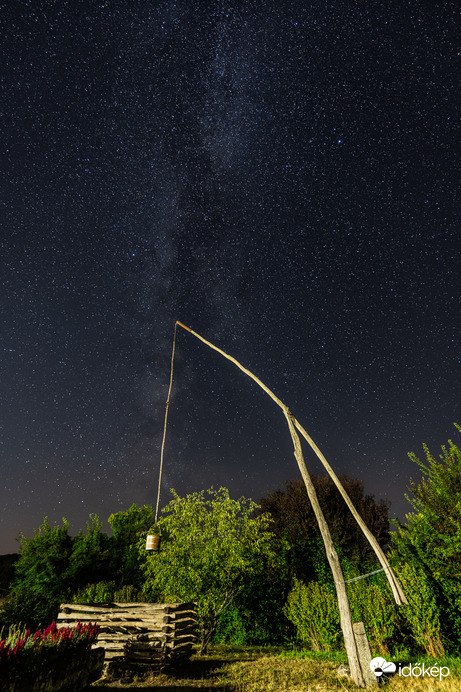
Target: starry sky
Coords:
[(282, 177)]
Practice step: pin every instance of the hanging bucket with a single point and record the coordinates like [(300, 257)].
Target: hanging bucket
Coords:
[(153, 542)]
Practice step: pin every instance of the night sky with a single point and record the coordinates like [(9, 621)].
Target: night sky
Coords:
[(282, 177)]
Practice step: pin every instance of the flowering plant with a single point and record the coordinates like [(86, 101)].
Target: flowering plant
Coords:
[(21, 645)]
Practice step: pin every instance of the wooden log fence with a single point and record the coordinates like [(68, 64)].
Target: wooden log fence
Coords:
[(138, 635)]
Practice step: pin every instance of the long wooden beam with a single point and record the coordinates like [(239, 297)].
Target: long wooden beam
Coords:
[(397, 590)]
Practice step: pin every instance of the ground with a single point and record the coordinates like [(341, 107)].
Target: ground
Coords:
[(272, 669)]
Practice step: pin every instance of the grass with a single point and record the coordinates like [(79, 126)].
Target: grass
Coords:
[(278, 669)]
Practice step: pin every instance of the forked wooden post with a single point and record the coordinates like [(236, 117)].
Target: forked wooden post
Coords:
[(343, 601), (333, 560)]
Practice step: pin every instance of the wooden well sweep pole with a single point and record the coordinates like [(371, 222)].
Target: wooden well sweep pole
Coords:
[(399, 596), (332, 556)]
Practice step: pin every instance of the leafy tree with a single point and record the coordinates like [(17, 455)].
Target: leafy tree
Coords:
[(90, 557), (128, 527), (295, 521), (211, 547), (53, 567), (431, 539), (41, 578)]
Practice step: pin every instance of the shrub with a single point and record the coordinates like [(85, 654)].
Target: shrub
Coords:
[(373, 604), (430, 543), (313, 609), (422, 612), (107, 592), (101, 592)]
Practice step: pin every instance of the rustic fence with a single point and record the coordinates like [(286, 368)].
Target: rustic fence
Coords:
[(138, 635)]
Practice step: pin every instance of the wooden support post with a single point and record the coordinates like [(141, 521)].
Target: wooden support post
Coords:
[(333, 560), (364, 652)]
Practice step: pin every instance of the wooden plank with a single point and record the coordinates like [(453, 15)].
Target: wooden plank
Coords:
[(167, 630), (158, 606), (176, 631), (185, 614), (187, 638), (112, 609), (363, 648), (186, 606), (144, 646), (183, 649), (185, 622), (129, 637), (186, 626), (112, 605), (143, 654), (115, 622), (115, 616)]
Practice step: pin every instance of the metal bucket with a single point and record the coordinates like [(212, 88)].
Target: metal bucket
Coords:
[(153, 542)]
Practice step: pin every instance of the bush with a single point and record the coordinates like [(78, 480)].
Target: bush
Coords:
[(373, 604), (430, 544), (313, 610), (232, 627), (422, 612), (101, 592), (107, 592)]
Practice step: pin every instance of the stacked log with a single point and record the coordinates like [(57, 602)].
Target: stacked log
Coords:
[(138, 635)]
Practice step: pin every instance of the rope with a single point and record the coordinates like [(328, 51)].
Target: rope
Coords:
[(364, 576), (164, 425)]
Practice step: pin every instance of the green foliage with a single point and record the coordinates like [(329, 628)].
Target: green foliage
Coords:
[(417, 627), (129, 593), (41, 578), (23, 605), (373, 604), (256, 616), (129, 527), (100, 592), (422, 612), (212, 546), (53, 567), (91, 555), (430, 542), (7, 563), (232, 627), (107, 592), (313, 610), (294, 520)]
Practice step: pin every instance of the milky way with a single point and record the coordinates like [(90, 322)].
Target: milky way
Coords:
[(282, 178)]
